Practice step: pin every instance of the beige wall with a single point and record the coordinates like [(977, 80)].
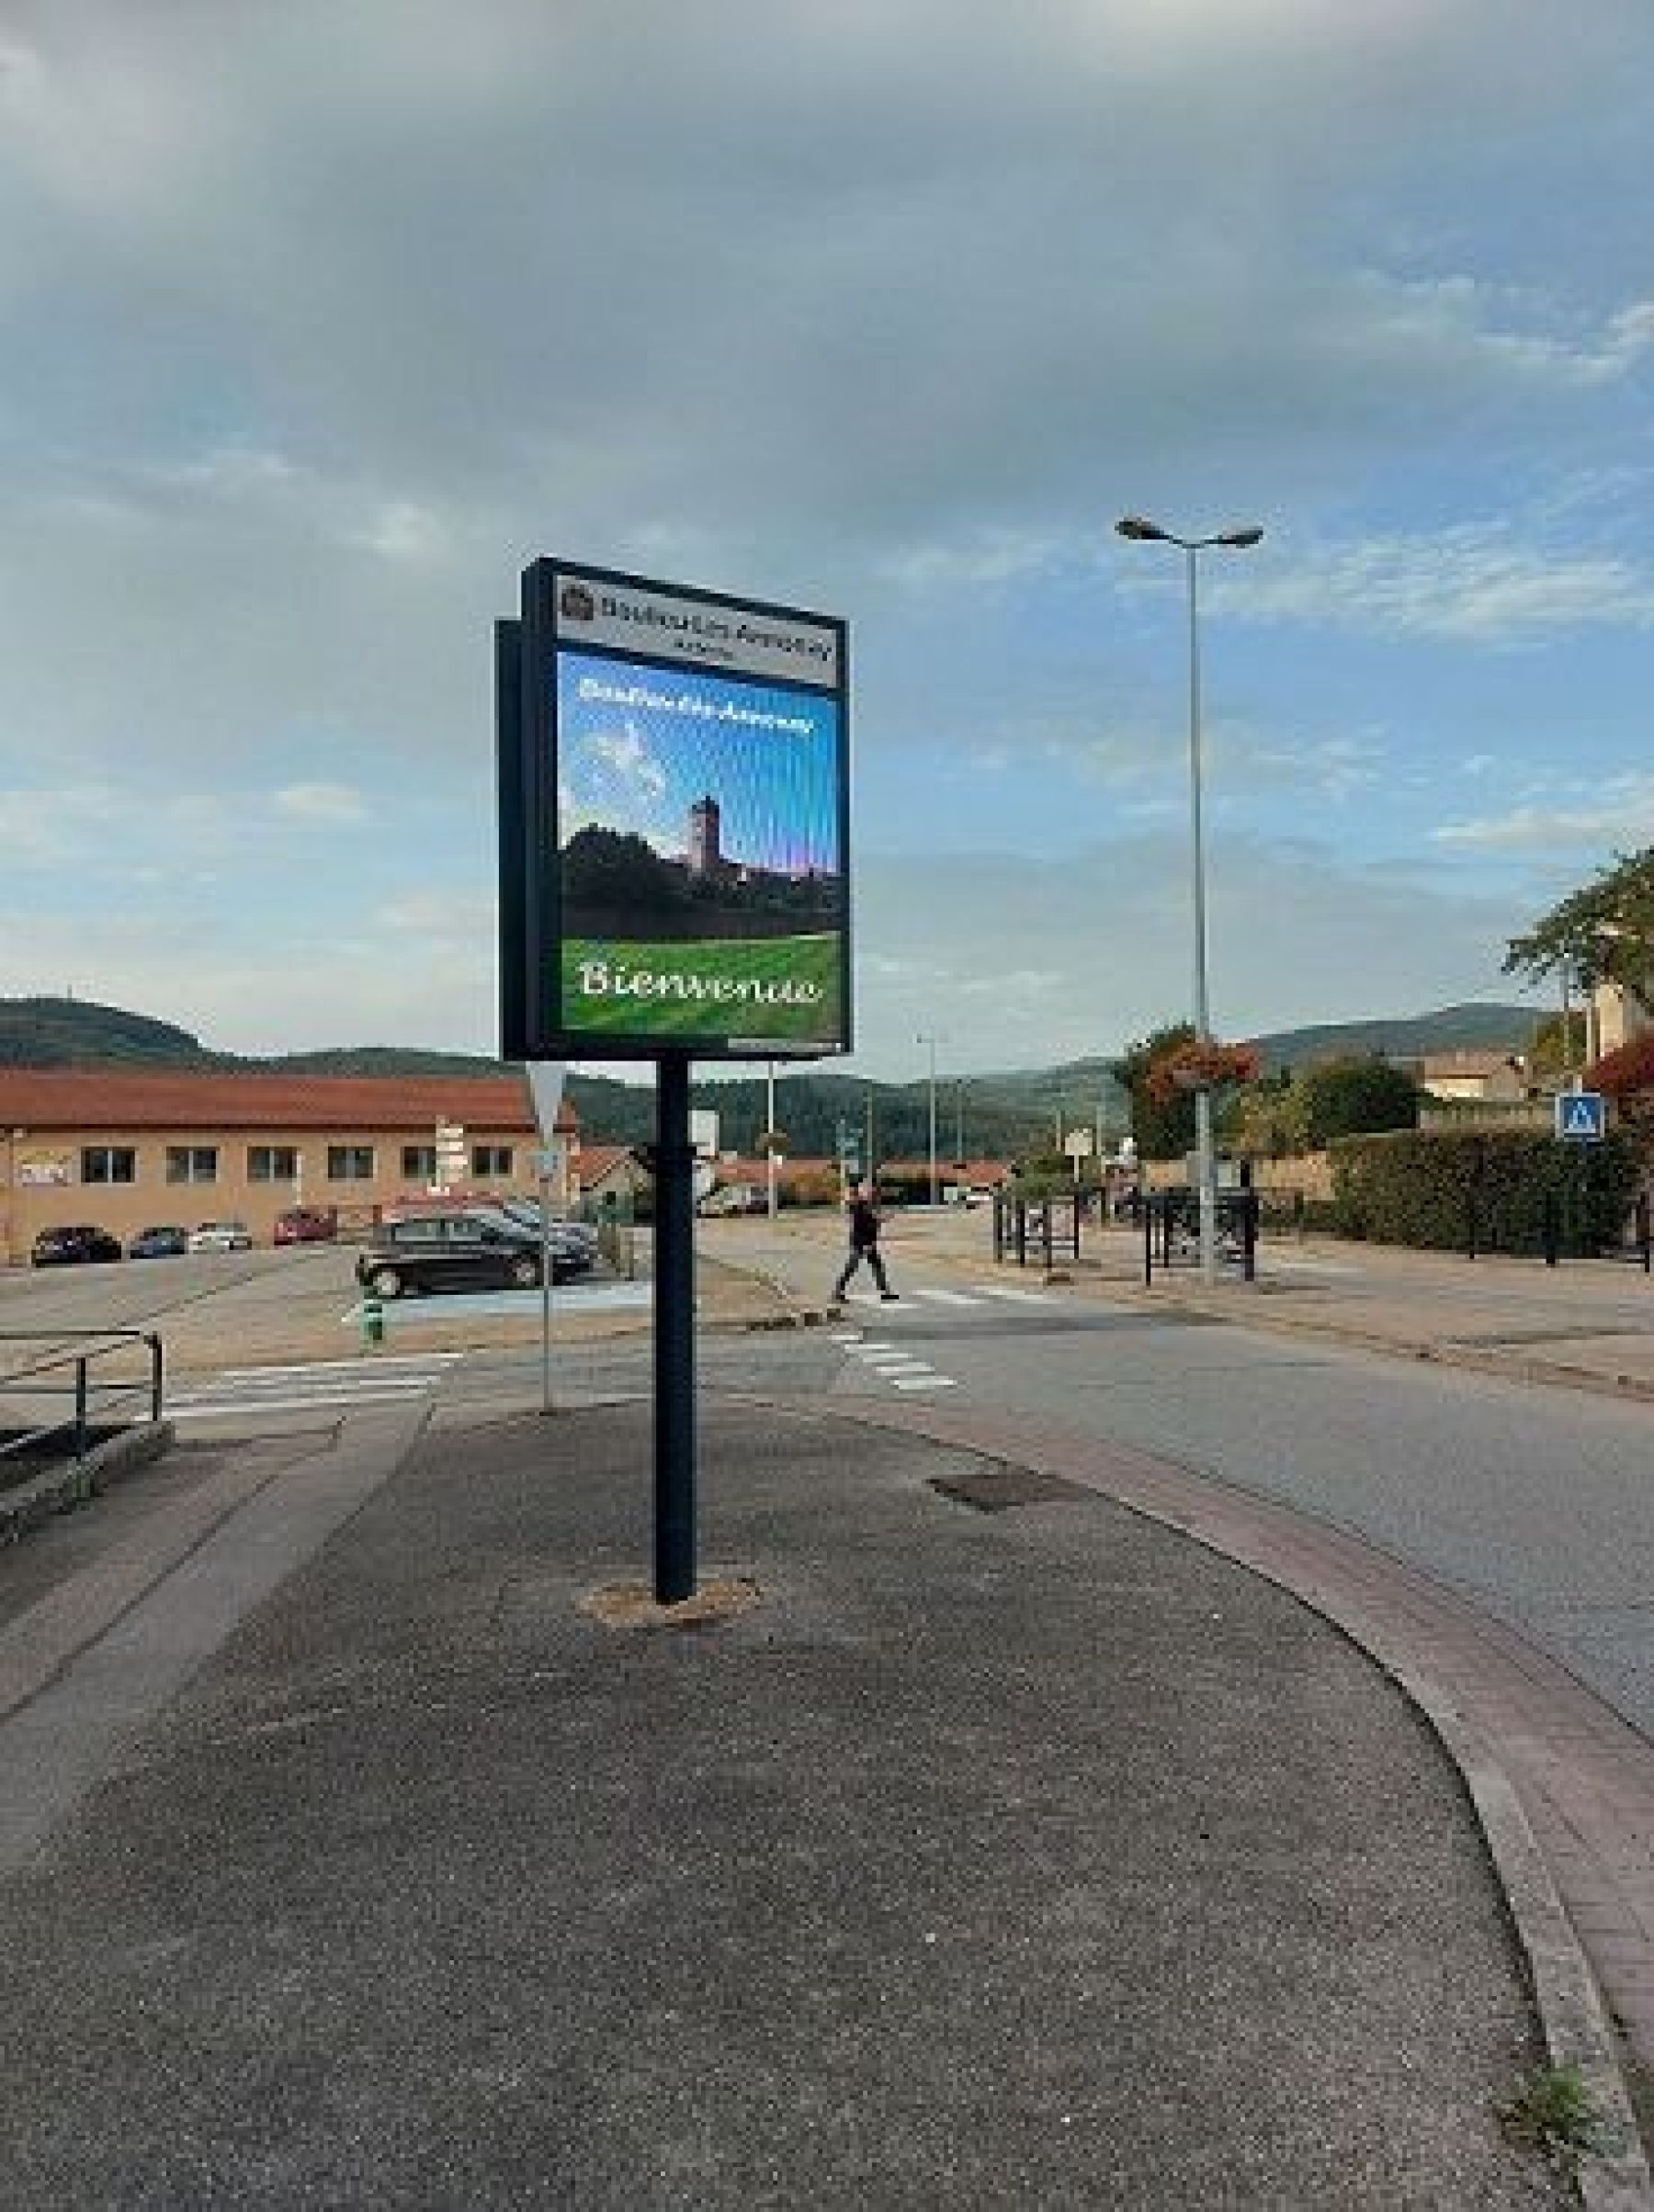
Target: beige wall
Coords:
[(1620, 1017), (30, 1201)]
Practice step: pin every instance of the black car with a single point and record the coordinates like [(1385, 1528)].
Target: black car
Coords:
[(455, 1251), (168, 1241), (68, 1247), (575, 1241)]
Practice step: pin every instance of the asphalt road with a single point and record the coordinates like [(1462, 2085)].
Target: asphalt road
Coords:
[(1532, 1504), (1535, 1504)]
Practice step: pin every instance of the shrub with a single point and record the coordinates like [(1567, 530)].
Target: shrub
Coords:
[(1449, 1189)]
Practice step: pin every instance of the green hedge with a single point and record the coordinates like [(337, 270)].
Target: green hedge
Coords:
[(1446, 1188)]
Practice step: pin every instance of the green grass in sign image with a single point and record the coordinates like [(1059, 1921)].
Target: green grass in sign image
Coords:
[(715, 987)]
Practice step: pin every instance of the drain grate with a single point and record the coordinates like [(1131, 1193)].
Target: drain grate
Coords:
[(993, 1488)]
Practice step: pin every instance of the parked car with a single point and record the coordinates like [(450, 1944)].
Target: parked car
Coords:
[(736, 1198), (221, 1236), (576, 1241), (306, 1225), (165, 1243), (476, 1250), (67, 1247)]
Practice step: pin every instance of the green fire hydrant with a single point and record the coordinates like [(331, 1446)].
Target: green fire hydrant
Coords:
[(373, 1319)]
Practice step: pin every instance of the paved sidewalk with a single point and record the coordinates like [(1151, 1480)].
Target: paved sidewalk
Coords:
[(1007, 1848), (1585, 1324)]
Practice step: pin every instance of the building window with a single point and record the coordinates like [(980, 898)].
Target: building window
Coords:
[(490, 1160), (419, 1163), (350, 1163), (272, 1163), (108, 1164), (192, 1163)]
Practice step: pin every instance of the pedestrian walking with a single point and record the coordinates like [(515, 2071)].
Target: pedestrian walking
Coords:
[(863, 1244)]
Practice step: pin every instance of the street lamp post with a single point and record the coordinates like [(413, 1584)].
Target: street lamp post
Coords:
[(935, 1195), (770, 1139), (1142, 532)]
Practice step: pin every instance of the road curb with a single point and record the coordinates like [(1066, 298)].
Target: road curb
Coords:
[(60, 1488)]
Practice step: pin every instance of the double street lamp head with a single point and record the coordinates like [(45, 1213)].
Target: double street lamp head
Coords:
[(1145, 532)]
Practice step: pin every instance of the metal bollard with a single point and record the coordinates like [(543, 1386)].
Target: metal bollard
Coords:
[(373, 1319)]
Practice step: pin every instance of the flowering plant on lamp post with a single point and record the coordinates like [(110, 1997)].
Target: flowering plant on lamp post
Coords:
[(1200, 1066)]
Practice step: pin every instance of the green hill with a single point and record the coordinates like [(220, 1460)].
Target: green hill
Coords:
[(74, 1033), (996, 1114)]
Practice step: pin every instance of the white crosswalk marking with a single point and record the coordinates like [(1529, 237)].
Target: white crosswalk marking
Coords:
[(903, 1370), (370, 1380), (1016, 1296), (927, 1294)]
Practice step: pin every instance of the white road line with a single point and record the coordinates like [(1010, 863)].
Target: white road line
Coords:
[(332, 1386), (1020, 1297), (374, 1364), (895, 1365), (929, 1296), (213, 1409), (923, 1382)]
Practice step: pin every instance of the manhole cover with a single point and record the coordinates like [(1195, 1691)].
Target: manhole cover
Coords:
[(993, 1489)]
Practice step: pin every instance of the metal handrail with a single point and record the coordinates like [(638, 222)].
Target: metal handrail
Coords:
[(90, 1396)]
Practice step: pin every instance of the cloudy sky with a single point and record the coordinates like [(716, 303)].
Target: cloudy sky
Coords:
[(322, 317)]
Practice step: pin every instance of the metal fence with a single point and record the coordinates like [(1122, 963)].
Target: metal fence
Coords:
[(1039, 1230), (61, 1389), (1171, 1222)]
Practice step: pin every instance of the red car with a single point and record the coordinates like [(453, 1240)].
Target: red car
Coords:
[(305, 1225)]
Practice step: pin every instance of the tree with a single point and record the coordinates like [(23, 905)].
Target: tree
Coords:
[(1600, 934), (1355, 1098), (1627, 1074), (617, 869), (1555, 1048), (1162, 1130), (1269, 1121)]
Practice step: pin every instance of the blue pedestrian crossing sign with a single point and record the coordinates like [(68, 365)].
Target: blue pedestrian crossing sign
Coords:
[(1581, 1115)]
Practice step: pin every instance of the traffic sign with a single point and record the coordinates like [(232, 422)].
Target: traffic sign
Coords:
[(1581, 1115)]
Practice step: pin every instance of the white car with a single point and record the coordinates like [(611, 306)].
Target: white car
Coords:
[(221, 1236)]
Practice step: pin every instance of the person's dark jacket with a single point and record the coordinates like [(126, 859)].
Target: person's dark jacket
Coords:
[(863, 1225)]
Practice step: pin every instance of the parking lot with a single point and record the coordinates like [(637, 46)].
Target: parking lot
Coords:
[(296, 1302)]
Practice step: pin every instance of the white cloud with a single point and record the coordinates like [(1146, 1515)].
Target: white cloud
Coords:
[(629, 759), (326, 803), (1474, 584), (1617, 815)]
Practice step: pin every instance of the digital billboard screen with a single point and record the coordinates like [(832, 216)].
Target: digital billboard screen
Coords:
[(679, 760)]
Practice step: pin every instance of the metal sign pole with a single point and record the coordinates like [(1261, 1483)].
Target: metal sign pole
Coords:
[(545, 1199), (546, 1080), (674, 1333)]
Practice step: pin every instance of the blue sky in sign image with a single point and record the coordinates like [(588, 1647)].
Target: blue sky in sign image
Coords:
[(639, 746), (323, 320)]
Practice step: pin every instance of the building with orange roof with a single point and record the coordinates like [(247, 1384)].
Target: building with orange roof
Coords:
[(128, 1150)]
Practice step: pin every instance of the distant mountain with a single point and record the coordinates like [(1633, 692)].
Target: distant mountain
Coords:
[(997, 1115), (74, 1033), (1472, 1028)]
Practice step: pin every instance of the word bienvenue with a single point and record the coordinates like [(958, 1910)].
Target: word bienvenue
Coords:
[(613, 979)]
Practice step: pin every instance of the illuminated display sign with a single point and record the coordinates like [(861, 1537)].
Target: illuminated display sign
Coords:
[(674, 814)]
